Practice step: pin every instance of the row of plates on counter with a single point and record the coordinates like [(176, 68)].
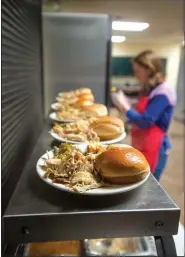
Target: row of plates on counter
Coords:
[(82, 147), (54, 118)]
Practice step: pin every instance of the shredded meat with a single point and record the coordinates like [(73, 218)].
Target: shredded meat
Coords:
[(78, 131), (73, 168)]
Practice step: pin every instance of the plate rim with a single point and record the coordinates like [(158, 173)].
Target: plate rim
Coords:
[(58, 120), (60, 94), (53, 106), (108, 142), (62, 187)]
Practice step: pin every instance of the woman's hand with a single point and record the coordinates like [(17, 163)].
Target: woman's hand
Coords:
[(120, 100)]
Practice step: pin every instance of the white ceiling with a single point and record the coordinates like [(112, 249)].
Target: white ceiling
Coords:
[(164, 16)]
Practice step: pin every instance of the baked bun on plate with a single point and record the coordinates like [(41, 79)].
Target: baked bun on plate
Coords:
[(81, 103), (108, 127), (89, 97), (82, 91), (122, 165), (95, 110)]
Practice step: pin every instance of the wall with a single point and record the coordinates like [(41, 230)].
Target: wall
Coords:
[(21, 102), (180, 108), (170, 51)]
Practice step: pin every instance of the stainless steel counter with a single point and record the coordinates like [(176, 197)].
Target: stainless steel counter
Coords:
[(38, 212)]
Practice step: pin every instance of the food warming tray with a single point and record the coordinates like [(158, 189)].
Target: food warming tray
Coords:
[(146, 247)]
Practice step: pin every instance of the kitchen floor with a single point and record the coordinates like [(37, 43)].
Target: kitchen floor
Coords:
[(172, 179)]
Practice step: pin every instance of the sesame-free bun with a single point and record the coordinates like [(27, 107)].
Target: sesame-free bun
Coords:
[(108, 127), (82, 91), (81, 103), (88, 96), (122, 165), (95, 110)]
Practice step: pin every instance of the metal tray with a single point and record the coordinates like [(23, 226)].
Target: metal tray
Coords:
[(146, 247), (23, 250)]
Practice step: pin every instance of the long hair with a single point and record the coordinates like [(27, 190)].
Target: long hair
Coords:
[(150, 61)]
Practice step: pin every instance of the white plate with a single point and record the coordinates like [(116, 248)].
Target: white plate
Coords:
[(58, 99), (108, 142), (98, 191), (54, 106), (53, 117), (60, 94)]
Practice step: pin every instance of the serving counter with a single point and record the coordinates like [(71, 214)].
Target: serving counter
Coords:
[(38, 212)]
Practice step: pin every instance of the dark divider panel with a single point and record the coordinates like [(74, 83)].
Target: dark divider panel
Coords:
[(76, 54), (22, 104)]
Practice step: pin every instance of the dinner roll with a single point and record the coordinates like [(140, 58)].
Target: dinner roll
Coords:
[(122, 165), (80, 103), (108, 127), (95, 110), (82, 91), (87, 97)]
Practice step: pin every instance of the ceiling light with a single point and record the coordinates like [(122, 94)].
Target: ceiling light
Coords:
[(129, 26), (118, 39)]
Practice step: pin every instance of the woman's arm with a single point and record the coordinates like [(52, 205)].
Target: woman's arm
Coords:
[(154, 109)]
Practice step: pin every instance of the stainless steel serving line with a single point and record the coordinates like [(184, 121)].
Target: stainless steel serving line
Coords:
[(38, 212)]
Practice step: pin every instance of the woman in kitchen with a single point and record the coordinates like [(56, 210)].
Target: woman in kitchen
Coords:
[(153, 113)]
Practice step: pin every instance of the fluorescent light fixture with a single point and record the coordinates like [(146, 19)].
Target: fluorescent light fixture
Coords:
[(118, 39), (129, 26)]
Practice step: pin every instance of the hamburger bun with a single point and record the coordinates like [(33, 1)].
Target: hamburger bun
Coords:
[(67, 95), (108, 127), (95, 110), (88, 97), (122, 165), (81, 103), (119, 146), (82, 91)]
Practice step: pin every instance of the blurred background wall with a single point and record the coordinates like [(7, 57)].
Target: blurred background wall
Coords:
[(165, 34)]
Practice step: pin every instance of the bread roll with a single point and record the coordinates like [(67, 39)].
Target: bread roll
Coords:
[(81, 103), (95, 110), (108, 127), (122, 165), (82, 91), (87, 97)]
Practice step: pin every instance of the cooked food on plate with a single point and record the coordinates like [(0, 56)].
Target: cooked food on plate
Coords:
[(83, 112), (72, 104), (108, 127), (82, 102), (122, 165), (72, 98), (70, 113), (94, 129), (79, 131), (77, 92), (99, 166), (73, 168), (95, 110), (82, 91)]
